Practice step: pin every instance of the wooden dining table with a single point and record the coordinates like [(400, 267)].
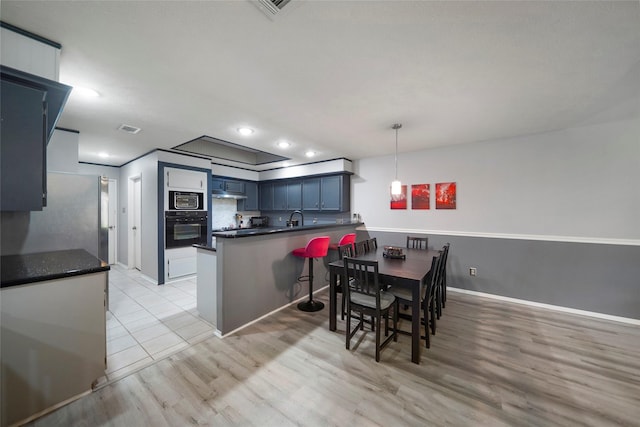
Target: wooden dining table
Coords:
[(410, 272)]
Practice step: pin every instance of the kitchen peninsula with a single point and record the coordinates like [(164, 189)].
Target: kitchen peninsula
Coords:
[(252, 272)]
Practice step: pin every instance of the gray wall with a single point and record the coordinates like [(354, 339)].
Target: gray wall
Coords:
[(584, 276), (550, 218)]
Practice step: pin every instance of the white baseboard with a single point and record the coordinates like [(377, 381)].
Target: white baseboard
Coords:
[(549, 306)]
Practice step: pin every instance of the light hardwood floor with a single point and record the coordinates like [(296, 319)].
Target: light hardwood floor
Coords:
[(491, 363)]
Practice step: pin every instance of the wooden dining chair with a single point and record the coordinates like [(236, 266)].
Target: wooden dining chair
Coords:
[(364, 296), (344, 251), (427, 294), (414, 242), (361, 248), (372, 244), (441, 289)]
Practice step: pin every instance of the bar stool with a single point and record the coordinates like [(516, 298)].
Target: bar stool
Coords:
[(344, 240), (316, 248)]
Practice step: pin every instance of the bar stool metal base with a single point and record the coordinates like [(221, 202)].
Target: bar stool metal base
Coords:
[(310, 305)]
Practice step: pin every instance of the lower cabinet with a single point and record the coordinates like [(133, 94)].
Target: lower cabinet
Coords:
[(180, 262), (53, 343)]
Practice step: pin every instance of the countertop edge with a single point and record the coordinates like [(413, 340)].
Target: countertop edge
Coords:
[(23, 269), (249, 232), (204, 247)]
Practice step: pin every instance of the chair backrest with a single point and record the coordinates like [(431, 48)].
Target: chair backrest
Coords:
[(363, 278), (417, 242), (346, 250), (443, 267), (347, 239), (372, 244), (361, 247), (433, 278), (318, 247)]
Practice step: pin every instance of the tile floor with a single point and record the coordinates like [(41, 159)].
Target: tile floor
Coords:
[(146, 322)]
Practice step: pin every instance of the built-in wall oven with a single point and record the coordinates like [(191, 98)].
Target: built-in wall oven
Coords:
[(185, 228)]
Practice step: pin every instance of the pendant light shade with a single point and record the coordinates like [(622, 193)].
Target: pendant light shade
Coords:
[(396, 185)]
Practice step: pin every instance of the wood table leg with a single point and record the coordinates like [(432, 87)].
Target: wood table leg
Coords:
[(333, 282), (415, 324)]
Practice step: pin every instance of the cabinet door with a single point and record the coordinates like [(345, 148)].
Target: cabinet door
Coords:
[(311, 194), (23, 152), (294, 195), (331, 193), (217, 185), (266, 197), (251, 202), (280, 196), (236, 187), (185, 179)]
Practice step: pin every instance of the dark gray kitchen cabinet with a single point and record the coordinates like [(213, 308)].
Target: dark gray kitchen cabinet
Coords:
[(230, 186), (311, 194), (286, 195), (294, 195), (266, 196), (280, 196), (30, 107), (327, 193), (251, 202)]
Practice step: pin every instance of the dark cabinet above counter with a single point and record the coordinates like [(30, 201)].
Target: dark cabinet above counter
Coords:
[(31, 107), (330, 193)]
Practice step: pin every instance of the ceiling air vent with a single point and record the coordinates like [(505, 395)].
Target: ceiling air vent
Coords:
[(272, 7), (129, 129)]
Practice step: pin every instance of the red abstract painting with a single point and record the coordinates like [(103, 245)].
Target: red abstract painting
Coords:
[(446, 195), (399, 201), (420, 194)]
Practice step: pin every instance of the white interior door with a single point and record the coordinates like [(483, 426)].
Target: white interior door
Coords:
[(113, 221), (135, 246)]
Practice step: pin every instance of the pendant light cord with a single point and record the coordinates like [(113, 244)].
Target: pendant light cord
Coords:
[(396, 126)]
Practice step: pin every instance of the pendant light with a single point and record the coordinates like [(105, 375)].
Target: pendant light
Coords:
[(396, 185)]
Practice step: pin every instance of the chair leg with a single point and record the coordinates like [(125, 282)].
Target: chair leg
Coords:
[(378, 340), (427, 340), (395, 321), (348, 334), (433, 319)]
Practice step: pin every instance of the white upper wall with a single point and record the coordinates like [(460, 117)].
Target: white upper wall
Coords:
[(579, 183)]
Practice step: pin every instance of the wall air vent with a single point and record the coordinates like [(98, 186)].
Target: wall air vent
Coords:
[(272, 7), (129, 129)]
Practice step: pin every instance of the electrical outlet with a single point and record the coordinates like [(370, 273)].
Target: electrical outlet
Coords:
[(473, 271)]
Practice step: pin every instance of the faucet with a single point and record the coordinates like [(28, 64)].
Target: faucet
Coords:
[(292, 214)]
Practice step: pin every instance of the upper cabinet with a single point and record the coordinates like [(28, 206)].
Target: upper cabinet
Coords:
[(185, 179), (324, 193), (251, 202), (30, 108), (327, 193)]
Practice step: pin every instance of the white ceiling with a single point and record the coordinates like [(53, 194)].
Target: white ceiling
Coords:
[(333, 76)]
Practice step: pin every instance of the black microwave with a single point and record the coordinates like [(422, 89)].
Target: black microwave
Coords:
[(186, 201)]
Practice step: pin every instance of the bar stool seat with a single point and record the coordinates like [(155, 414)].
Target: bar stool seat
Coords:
[(318, 247)]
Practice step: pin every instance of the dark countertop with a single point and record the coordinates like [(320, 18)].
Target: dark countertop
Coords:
[(205, 247), (248, 232), (37, 267)]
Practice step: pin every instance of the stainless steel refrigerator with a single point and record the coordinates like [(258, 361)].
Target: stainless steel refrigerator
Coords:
[(76, 217)]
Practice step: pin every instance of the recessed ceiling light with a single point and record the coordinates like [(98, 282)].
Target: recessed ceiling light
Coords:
[(284, 144), (245, 131), (103, 155), (310, 153), (85, 92)]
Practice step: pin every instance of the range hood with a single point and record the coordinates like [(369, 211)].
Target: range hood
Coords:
[(225, 195)]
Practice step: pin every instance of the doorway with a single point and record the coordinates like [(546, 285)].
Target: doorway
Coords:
[(113, 221), (135, 229)]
